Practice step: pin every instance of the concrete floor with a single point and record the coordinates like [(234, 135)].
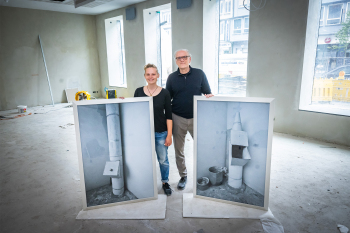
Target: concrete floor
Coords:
[(40, 187)]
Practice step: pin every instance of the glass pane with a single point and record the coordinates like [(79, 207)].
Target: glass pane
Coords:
[(332, 65), (237, 24), (233, 50), (115, 51), (334, 11), (166, 48)]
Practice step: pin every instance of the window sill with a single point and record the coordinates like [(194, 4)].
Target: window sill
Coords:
[(119, 86), (329, 109)]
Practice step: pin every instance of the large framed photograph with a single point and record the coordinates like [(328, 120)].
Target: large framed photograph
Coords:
[(116, 150), (232, 149)]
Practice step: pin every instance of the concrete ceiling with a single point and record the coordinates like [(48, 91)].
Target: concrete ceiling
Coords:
[(93, 8)]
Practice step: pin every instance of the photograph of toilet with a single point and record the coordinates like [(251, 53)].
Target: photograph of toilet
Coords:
[(115, 147), (232, 156)]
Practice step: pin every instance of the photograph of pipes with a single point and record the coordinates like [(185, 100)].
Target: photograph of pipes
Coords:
[(233, 138), (115, 140)]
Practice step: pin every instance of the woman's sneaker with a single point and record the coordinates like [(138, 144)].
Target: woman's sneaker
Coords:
[(167, 189)]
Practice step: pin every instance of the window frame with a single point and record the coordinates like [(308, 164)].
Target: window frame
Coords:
[(341, 12), (229, 3), (246, 28), (240, 29), (347, 10), (306, 88), (322, 9), (113, 74), (222, 30)]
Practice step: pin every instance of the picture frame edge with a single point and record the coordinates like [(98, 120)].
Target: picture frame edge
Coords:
[(79, 152), (271, 102)]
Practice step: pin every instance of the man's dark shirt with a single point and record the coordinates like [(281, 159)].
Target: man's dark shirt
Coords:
[(183, 87)]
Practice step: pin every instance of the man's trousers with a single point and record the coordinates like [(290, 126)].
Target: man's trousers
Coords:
[(180, 127)]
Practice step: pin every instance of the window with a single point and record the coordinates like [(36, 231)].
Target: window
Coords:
[(115, 51), (165, 47), (158, 44), (237, 26), (228, 6), (227, 31), (246, 24), (347, 10), (322, 16), (334, 14), (222, 30), (233, 50), (326, 65)]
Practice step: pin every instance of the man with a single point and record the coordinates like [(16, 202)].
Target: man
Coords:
[(183, 84)]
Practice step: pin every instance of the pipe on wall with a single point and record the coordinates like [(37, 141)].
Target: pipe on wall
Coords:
[(115, 146), (237, 158)]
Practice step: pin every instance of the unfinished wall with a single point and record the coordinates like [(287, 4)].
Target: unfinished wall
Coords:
[(189, 37), (137, 148), (211, 136), (255, 122), (94, 144), (70, 49), (275, 61)]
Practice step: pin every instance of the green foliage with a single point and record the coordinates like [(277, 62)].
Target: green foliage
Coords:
[(343, 34)]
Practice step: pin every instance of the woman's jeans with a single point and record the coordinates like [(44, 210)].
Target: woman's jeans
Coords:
[(162, 155)]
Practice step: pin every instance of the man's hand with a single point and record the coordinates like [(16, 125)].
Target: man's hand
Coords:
[(168, 141), (208, 95)]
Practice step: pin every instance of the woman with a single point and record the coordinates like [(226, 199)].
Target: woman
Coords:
[(163, 124)]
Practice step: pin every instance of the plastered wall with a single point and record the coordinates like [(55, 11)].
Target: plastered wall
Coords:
[(189, 37), (94, 144), (255, 121), (275, 62), (211, 136), (69, 42), (276, 47), (137, 150)]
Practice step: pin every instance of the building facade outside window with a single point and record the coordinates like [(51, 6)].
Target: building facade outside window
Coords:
[(158, 44), (329, 69), (233, 47)]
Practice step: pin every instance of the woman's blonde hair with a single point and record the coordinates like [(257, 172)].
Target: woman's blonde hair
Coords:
[(149, 65)]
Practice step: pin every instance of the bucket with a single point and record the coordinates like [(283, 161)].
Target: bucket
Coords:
[(203, 183), (22, 108), (216, 175)]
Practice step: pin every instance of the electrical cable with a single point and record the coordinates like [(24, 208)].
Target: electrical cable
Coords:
[(256, 8)]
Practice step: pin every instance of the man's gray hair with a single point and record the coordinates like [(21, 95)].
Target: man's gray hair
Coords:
[(188, 53)]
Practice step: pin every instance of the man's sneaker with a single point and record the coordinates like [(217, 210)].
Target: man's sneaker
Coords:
[(182, 183), (167, 189)]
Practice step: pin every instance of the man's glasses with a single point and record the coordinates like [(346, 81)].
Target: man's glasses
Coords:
[(181, 58)]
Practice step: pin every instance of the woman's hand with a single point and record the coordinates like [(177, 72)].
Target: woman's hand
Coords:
[(168, 141)]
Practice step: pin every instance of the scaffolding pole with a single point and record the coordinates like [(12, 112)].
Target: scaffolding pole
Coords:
[(47, 73)]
